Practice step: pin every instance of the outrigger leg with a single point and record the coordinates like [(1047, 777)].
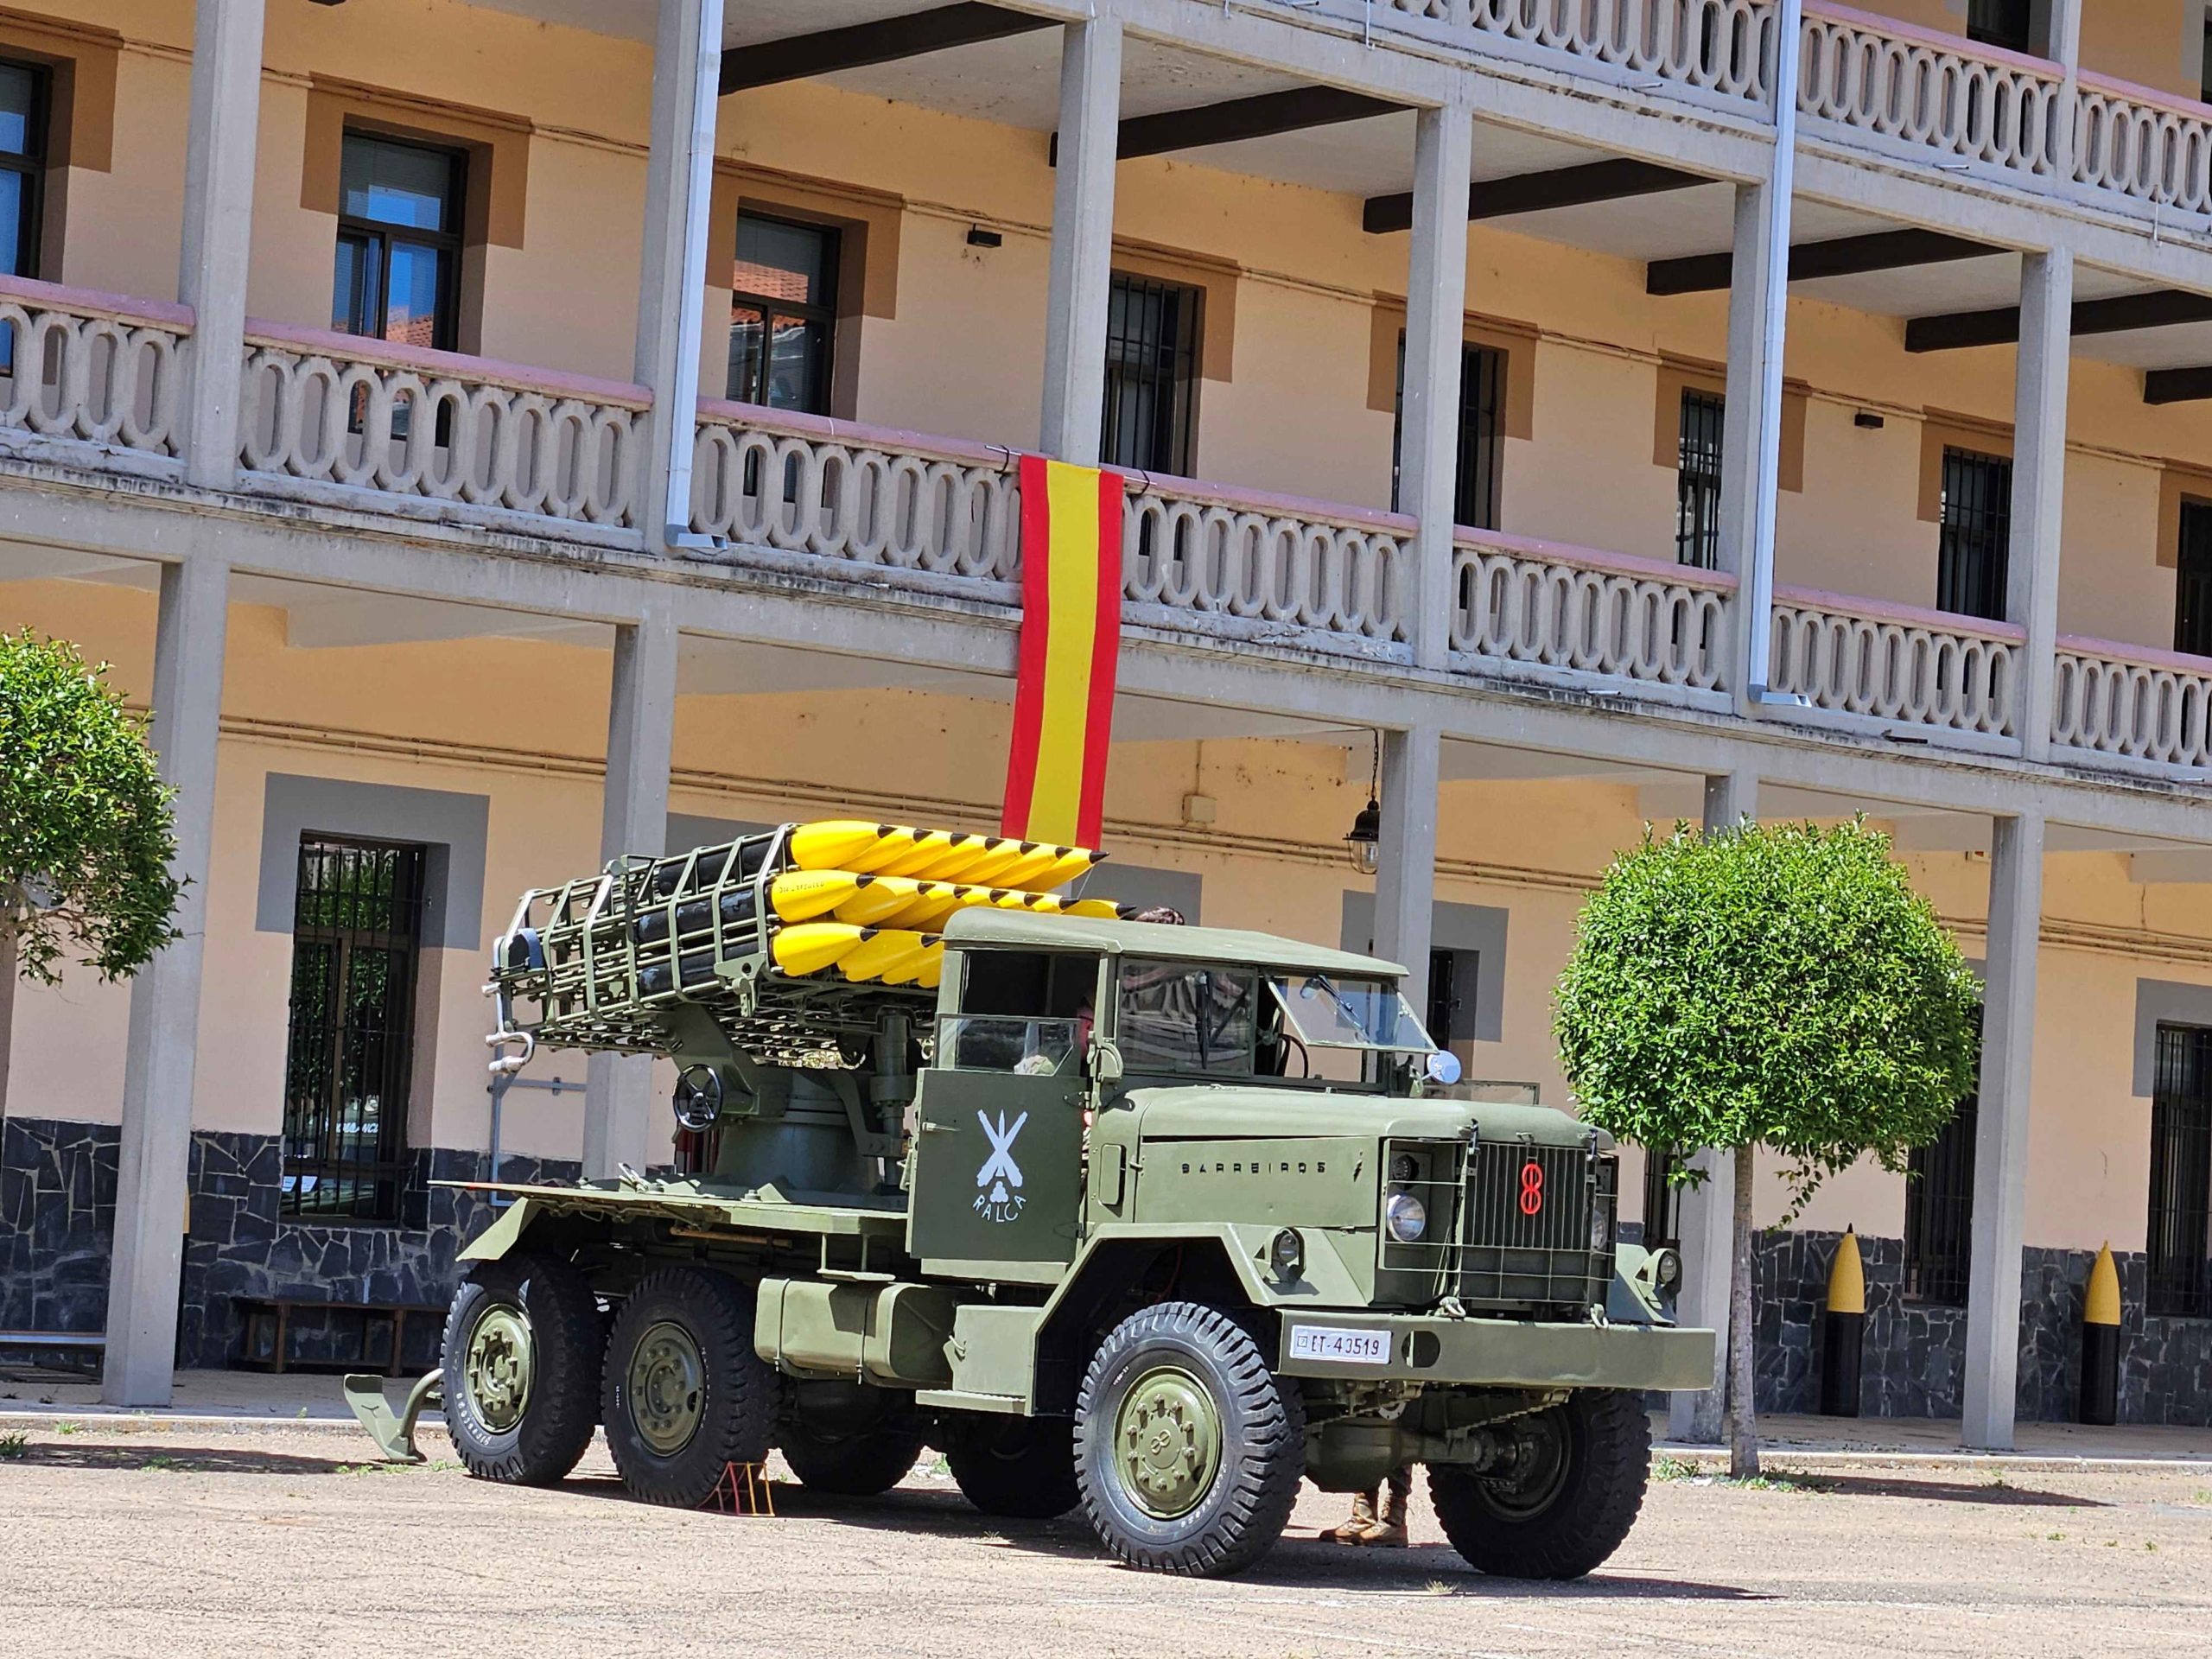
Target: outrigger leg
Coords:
[(395, 1436)]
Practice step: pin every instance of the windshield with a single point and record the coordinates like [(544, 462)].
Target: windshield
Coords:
[(1180, 1017), (1366, 1013)]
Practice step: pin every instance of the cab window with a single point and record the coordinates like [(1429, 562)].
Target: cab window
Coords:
[(1021, 1011), (1185, 1017)]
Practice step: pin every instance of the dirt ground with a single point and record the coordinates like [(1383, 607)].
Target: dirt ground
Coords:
[(189, 1539)]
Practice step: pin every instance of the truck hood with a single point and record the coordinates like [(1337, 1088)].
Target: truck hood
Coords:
[(1228, 1111)]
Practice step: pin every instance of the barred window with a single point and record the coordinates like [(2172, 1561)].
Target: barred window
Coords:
[(1976, 538), (1481, 458), (1939, 1212), (356, 934), (1697, 481), (2179, 1239), (1150, 420), (2193, 580)]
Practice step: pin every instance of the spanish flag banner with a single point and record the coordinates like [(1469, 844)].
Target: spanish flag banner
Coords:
[(1071, 638)]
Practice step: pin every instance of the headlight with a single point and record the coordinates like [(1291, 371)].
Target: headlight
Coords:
[(1601, 1223), (1403, 1169), (1666, 1270), (1405, 1217), (1286, 1254)]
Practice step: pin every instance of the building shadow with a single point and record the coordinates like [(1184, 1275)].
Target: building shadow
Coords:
[(164, 1457)]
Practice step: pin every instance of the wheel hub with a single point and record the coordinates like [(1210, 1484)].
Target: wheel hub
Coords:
[(1167, 1442), (499, 1365), (667, 1387), (1537, 1469)]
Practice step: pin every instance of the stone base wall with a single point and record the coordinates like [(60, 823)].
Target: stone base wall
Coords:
[(57, 1222), (1914, 1353)]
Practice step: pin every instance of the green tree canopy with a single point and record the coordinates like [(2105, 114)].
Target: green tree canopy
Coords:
[(85, 830), (1779, 985)]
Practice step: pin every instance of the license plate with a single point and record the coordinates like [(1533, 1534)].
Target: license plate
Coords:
[(1333, 1343)]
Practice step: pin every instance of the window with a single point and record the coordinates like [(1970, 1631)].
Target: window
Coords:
[(356, 930), (1663, 1198), (1450, 996), (2180, 1236), (1176, 1018), (2204, 66), (398, 266), (1939, 1212), (2193, 580), (2000, 23), (1152, 375), (783, 327), (23, 167), (1976, 535), (1697, 481), (1482, 434)]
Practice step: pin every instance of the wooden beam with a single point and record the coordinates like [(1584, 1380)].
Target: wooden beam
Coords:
[(1846, 256), (1533, 193), (2176, 385), (1261, 116), (800, 57), (2162, 307)]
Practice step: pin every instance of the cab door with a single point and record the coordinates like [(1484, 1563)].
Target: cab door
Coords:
[(998, 1168)]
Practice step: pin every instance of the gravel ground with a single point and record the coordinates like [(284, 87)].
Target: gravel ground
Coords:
[(207, 1539)]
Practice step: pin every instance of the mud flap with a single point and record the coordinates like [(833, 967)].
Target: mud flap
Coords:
[(395, 1436)]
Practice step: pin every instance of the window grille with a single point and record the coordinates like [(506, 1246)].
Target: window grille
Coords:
[(1663, 1198), (2193, 580), (356, 933), (1975, 537), (1481, 451), (1450, 994), (1697, 481), (1939, 1212), (1152, 375), (2179, 1238), (783, 330)]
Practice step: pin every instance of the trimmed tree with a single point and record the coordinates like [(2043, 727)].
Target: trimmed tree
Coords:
[(85, 828), (1779, 986)]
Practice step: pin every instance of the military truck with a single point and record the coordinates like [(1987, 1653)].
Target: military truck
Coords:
[(1148, 1219)]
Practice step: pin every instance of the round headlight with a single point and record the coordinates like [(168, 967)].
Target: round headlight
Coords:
[(1601, 1226), (1286, 1253), (1666, 1270), (1405, 1216)]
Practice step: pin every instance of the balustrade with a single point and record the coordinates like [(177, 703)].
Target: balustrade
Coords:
[(96, 368), (1553, 607), (2125, 700), (1894, 663), (463, 432)]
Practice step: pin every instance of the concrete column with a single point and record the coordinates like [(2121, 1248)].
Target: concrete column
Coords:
[(1405, 872), (633, 818), (1082, 270), (2039, 483), (164, 1029), (679, 182), (1436, 305), (218, 246), (2000, 1147), (1707, 1210), (1750, 301)]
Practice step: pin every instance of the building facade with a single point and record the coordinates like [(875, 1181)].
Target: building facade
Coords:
[(493, 437)]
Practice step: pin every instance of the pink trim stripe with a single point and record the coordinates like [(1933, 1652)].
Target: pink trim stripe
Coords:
[(1882, 610), (2141, 656), (458, 365), (1958, 45), (124, 308)]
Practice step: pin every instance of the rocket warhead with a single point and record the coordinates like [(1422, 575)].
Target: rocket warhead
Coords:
[(877, 900), (801, 895), (885, 951), (809, 947), (834, 844)]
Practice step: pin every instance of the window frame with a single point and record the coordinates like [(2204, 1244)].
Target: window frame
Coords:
[(1174, 454), (1698, 484), (1477, 496), (771, 309), (1939, 1212), (2178, 1277), (316, 1113), (1987, 30), (2193, 578), (1961, 540), (452, 242), (31, 164)]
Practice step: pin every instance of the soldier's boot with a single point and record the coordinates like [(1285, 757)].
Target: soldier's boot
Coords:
[(1388, 1531), (1354, 1530)]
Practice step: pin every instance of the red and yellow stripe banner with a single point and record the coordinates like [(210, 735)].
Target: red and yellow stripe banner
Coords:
[(1070, 639)]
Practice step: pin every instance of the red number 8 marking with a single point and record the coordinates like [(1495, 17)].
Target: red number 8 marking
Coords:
[(1532, 1187)]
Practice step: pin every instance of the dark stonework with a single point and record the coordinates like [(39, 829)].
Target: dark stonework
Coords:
[(57, 1215), (57, 1221), (1914, 1352)]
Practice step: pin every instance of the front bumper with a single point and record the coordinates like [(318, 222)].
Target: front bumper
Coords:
[(1493, 1353)]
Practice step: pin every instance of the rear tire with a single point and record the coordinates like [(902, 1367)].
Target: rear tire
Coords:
[(861, 1465), (520, 1370), (1581, 1470), (685, 1394), (1189, 1448), (1022, 1468)]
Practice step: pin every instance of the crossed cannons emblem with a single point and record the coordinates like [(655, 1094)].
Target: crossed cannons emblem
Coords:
[(999, 1179)]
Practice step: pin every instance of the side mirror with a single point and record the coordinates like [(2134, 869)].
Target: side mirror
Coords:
[(1105, 1061), (1441, 1067)]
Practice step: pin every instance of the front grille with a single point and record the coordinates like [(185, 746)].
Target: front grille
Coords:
[(1509, 1226)]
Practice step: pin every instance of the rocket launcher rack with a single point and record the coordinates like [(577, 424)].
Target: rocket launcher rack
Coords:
[(795, 941)]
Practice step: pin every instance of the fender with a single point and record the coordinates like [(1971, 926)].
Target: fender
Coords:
[(505, 1232)]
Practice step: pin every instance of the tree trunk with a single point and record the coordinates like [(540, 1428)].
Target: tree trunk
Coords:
[(1742, 1431), (7, 1003)]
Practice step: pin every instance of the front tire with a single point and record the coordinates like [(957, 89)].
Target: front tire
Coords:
[(1572, 1491), (1189, 1448), (1022, 1468), (685, 1394), (520, 1370)]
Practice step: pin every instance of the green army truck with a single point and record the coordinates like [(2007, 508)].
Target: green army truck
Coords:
[(1148, 1219)]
